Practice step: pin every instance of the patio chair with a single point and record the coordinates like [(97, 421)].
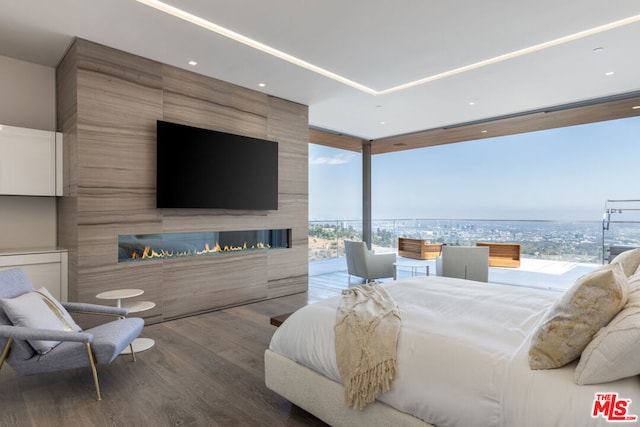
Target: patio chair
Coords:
[(363, 263), (464, 262), (56, 343)]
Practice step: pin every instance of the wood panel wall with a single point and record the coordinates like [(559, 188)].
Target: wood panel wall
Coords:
[(108, 104)]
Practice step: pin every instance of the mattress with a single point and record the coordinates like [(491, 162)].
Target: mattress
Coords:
[(462, 356)]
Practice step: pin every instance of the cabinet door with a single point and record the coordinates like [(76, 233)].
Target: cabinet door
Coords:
[(47, 270), (27, 162)]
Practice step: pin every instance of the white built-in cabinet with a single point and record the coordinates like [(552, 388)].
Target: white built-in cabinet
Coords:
[(45, 268), (31, 165), (30, 162)]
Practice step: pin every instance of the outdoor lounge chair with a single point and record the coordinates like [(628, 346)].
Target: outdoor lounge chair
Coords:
[(363, 263)]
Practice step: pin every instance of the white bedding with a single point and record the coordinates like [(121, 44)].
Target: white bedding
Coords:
[(462, 356)]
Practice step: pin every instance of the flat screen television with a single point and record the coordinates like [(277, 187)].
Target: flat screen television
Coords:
[(201, 168)]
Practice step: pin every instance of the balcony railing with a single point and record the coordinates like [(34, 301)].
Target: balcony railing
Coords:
[(572, 241)]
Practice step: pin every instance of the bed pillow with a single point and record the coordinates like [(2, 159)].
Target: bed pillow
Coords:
[(39, 309), (629, 260), (614, 352), (572, 321), (634, 281)]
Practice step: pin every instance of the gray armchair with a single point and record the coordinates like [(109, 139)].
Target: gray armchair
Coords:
[(363, 263), (90, 348), (464, 262)]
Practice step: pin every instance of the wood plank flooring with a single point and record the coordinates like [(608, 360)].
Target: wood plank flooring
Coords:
[(205, 370)]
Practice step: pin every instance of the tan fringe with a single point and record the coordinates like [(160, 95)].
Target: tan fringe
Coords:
[(364, 387)]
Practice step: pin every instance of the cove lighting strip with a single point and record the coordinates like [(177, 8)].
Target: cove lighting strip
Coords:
[(196, 20)]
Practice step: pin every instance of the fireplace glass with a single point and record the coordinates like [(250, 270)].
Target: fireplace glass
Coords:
[(140, 247)]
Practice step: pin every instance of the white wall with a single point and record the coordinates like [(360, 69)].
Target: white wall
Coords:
[(27, 99)]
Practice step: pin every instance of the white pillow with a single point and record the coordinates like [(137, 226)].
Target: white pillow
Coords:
[(614, 352), (39, 309), (573, 320)]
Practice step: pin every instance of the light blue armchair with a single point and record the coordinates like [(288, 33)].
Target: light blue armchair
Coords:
[(93, 347)]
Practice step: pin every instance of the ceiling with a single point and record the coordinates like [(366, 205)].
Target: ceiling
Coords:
[(470, 55)]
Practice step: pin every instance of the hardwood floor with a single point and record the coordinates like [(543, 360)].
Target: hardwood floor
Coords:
[(205, 370)]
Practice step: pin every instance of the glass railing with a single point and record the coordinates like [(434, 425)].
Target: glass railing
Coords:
[(571, 241)]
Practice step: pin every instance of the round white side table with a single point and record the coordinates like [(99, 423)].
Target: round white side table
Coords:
[(120, 294), (413, 265), (139, 344)]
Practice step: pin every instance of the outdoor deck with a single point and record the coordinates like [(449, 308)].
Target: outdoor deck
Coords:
[(328, 278)]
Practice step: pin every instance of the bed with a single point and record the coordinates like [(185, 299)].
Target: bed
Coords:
[(462, 360)]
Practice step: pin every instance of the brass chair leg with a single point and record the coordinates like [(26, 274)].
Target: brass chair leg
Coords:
[(5, 353), (93, 369), (133, 354)]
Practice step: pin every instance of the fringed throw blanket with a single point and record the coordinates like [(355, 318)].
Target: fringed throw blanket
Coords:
[(367, 328)]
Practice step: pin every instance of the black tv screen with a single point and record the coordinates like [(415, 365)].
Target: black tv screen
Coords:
[(201, 168)]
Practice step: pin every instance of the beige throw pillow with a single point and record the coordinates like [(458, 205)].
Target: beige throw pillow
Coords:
[(634, 281), (614, 352), (577, 315), (629, 260)]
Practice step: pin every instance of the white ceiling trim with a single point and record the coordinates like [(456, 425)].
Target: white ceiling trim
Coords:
[(201, 22), (517, 53), (225, 32)]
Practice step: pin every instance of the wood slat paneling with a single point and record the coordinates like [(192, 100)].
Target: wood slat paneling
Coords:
[(562, 116), (286, 124), (212, 282), (120, 65), (198, 87), (330, 139), (212, 220), (570, 116), (181, 109), (66, 122), (110, 102)]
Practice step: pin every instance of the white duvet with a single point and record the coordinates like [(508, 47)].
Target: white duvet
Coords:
[(462, 356)]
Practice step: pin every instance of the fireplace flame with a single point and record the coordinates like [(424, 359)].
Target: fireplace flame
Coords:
[(151, 253)]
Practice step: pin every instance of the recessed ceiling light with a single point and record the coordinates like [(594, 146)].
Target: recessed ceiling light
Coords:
[(193, 63), (262, 84), (635, 107), (201, 22), (472, 103), (609, 73), (381, 123), (484, 131)]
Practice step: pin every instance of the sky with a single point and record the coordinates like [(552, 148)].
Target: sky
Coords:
[(559, 174)]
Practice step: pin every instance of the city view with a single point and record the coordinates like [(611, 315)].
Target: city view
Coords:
[(583, 241)]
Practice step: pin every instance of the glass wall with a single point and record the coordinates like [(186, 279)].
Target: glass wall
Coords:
[(546, 190), (335, 183), (562, 174)]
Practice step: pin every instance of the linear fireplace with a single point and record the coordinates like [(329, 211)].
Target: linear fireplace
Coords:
[(141, 247)]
